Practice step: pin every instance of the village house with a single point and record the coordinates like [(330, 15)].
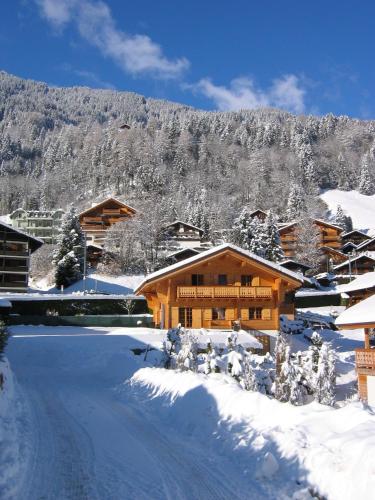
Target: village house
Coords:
[(96, 220), (360, 264), (349, 248), (183, 234), (219, 286), (355, 236), (362, 316), (15, 250), (359, 289), (43, 224), (330, 236)]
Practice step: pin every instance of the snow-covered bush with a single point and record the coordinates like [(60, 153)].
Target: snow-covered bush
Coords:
[(187, 357), (325, 379)]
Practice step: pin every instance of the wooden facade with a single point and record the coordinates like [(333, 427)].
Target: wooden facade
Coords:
[(220, 286), (355, 236), (185, 235), (330, 236), (15, 250), (97, 219), (360, 264)]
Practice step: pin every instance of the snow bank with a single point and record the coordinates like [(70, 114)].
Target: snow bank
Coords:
[(330, 450), (360, 207), (11, 453)]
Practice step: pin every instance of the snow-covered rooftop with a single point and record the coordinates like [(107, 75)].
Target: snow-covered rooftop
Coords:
[(369, 255), (361, 314), (362, 282), (214, 250)]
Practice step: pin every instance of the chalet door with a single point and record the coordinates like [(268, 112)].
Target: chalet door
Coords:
[(371, 390)]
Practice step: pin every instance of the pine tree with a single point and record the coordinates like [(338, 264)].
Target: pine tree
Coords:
[(340, 217), (242, 233), (366, 185), (325, 379), (273, 249), (260, 238), (68, 258), (296, 205), (280, 389)]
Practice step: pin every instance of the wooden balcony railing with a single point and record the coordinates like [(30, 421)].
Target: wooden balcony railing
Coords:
[(365, 358), (224, 292)]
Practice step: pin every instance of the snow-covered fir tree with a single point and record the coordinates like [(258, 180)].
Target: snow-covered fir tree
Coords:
[(273, 250), (187, 356), (69, 255), (366, 183), (248, 378), (242, 232), (325, 380), (342, 220), (260, 240), (296, 204)]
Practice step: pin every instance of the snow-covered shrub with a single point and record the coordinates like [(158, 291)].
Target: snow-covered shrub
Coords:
[(171, 346), (292, 327), (187, 357), (248, 378), (325, 379)]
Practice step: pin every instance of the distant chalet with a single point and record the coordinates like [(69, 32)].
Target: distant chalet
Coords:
[(15, 249), (96, 220)]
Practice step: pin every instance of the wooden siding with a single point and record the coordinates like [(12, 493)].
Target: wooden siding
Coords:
[(267, 293)]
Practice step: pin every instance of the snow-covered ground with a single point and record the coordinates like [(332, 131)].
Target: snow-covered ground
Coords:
[(100, 283), (360, 207), (100, 422)]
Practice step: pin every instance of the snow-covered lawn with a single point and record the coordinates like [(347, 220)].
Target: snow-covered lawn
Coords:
[(360, 207), (98, 421)]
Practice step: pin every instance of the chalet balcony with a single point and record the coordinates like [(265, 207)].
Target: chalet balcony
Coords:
[(365, 359), (224, 292), (111, 211)]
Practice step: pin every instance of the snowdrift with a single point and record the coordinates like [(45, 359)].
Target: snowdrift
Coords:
[(286, 450)]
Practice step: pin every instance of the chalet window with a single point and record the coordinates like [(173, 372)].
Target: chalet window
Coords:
[(255, 313), (222, 279), (218, 313), (246, 280), (185, 316), (197, 279)]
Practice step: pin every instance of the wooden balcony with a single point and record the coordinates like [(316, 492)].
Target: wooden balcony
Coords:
[(365, 359), (224, 292)]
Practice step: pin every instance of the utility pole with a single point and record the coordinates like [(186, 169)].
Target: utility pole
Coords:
[(84, 263)]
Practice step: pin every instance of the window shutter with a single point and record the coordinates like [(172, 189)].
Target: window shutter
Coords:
[(207, 314), (244, 314), (255, 281), (229, 314), (266, 313), (174, 317)]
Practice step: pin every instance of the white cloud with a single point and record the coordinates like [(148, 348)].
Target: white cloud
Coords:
[(135, 54), (285, 92)]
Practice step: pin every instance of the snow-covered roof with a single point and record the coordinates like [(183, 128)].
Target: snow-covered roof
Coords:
[(291, 261), (38, 241), (319, 221), (368, 255), (349, 244), (216, 250), (95, 205), (364, 244), (355, 231), (184, 224), (182, 250), (362, 282), (361, 314)]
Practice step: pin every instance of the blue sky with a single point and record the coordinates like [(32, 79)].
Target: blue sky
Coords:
[(305, 57)]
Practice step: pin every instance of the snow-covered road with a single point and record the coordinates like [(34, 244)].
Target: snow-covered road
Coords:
[(84, 442)]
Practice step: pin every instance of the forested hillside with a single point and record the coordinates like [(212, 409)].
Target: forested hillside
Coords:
[(59, 145)]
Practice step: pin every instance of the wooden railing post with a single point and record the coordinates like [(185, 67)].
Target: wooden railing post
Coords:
[(367, 338)]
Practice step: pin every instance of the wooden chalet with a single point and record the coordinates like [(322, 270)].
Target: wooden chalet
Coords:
[(360, 264), (362, 315), (260, 214), (185, 235), (97, 219), (349, 247), (360, 288), (357, 237), (330, 236), (15, 250), (219, 286), (366, 246)]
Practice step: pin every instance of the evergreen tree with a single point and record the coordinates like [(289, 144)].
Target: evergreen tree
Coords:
[(325, 380), (68, 257), (273, 249), (242, 233), (366, 185), (260, 238), (340, 218), (280, 389), (296, 205), (248, 379)]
